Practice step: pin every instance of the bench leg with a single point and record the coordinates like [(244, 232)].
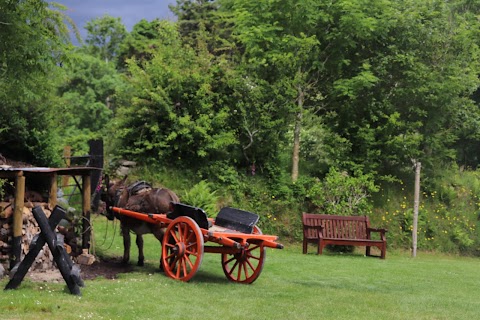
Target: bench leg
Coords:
[(305, 246), (320, 247), (384, 251), (367, 251)]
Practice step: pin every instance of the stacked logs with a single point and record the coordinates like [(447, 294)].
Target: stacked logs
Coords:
[(30, 228)]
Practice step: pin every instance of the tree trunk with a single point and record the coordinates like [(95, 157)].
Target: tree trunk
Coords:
[(296, 135)]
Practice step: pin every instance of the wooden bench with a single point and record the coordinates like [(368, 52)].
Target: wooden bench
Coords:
[(325, 229)]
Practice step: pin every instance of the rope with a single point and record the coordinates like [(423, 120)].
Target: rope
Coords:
[(114, 223)]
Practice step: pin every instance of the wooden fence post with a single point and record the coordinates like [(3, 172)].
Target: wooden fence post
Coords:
[(416, 203), (18, 218), (52, 195), (96, 161), (86, 207), (67, 153)]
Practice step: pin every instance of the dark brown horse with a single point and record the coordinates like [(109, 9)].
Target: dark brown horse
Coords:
[(139, 197)]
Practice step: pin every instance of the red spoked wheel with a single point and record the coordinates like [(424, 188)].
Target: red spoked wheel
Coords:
[(246, 265), (182, 249)]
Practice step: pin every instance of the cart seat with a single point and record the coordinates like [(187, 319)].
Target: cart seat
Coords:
[(197, 214), (236, 219)]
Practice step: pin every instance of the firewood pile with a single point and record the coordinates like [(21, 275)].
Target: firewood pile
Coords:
[(44, 260)]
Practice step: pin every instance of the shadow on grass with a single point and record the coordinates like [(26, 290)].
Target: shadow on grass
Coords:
[(110, 267)]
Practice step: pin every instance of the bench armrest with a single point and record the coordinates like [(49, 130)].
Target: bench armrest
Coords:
[(306, 227), (381, 230)]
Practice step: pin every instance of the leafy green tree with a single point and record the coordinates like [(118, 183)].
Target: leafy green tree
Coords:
[(140, 43), (172, 109), (389, 76), (86, 98), (281, 46), (197, 21), (33, 39), (322, 148), (411, 81), (105, 35)]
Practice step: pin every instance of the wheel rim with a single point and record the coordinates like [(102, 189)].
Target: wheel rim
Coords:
[(244, 266), (182, 249)]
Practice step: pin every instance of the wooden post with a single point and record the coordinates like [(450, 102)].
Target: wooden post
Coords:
[(52, 194), (96, 161), (18, 218), (67, 153), (416, 203), (86, 182)]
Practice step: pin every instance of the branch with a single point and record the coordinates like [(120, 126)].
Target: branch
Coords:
[(251, 134)]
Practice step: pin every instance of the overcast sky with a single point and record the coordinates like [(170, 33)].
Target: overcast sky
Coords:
[(131, 11)]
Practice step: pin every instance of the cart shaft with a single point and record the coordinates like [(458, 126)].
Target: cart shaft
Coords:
[(147, 217)]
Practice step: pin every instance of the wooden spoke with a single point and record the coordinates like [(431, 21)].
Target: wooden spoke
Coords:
[(245, 266), (182, 249)]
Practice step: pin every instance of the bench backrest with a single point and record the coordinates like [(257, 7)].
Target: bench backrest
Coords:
[(337, 227)]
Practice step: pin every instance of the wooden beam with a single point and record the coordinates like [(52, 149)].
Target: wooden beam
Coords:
[(18, 219), (86, 197), (11, 174), (67, 153), (52, 194)]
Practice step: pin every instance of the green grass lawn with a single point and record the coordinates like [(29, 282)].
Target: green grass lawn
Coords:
[(291, 286)]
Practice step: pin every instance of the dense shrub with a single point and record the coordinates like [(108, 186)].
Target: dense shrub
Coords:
[(343, 194)]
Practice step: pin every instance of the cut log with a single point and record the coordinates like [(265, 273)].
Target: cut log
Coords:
[(6, 212), (86, 259)]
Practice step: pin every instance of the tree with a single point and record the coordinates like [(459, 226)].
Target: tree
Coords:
[(195, 19), (33, 40), (140, 43), (105, 36), (281, 46), (173, 109), (86, 99), (411, 81)]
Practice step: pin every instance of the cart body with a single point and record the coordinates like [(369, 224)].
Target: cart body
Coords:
[(233, 234)]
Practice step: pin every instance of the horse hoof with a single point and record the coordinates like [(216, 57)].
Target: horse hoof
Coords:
[(140, 263)]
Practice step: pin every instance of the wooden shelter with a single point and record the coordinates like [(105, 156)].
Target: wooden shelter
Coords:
[(49, 177)]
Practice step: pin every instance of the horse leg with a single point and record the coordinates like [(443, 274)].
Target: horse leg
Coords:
[(126, 244), (141, 257)]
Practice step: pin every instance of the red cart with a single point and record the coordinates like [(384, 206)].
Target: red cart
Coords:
[(233, 232)]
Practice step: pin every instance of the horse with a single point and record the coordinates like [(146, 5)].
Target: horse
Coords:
[(139, 197)]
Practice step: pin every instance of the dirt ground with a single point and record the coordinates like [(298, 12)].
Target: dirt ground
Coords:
[(107, 268)]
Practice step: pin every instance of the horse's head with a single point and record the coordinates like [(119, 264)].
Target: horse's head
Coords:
[(112, 195)]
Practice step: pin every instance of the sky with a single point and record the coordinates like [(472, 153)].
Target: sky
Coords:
[(130, 11)]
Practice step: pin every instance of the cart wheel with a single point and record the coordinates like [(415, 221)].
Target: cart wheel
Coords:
[(182, 249), (245, 266)]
